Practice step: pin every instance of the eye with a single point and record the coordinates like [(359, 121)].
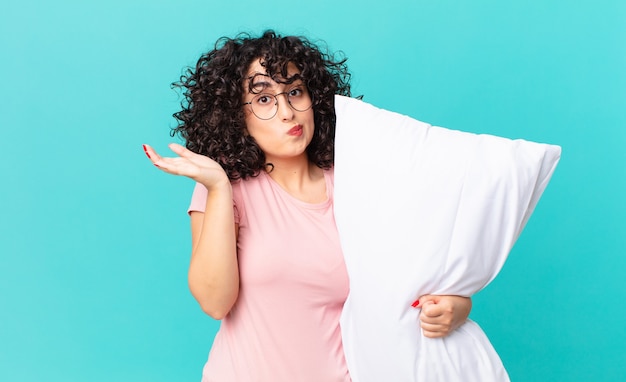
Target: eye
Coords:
[(296, 92), (264, 100)]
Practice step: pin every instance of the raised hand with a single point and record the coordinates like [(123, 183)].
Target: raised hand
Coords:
[(198, 167)]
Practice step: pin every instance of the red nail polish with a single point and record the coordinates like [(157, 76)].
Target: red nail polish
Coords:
[(146, 151), (415, 304), (156, 165)]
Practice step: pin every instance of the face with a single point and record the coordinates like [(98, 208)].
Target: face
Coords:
[(287, 134)]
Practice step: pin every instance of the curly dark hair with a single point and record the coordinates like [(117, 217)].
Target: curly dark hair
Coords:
[(211, 121)]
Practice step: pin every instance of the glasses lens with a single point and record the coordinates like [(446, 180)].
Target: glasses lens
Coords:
[(264, 106), (299, 99)]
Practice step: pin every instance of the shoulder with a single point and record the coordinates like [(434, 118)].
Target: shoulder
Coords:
[(198, 199), (330, 172), (248, 185), (247, 191), (330, 175)]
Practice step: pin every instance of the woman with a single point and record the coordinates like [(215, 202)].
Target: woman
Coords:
[(266, 258)]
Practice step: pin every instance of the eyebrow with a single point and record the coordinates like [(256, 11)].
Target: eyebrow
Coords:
[(263, 84), (259, 82)]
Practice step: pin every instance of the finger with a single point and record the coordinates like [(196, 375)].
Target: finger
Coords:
[(151, 153), (436, 319), (439, 330), (424, 299), (177, 166), (433, 327), (172, 165), (166, 164), (434, 334), (432, 310), (181, 150)]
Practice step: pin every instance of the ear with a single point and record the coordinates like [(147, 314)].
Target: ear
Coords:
[(244, 129)]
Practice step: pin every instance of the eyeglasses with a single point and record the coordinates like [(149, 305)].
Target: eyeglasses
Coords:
[(265, 105)]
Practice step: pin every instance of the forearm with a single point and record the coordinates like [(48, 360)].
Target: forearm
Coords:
[(213, 270)]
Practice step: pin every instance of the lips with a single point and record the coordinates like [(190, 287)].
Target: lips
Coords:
[(296, 131)]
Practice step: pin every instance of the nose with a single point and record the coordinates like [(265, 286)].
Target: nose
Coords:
[(285, 111)]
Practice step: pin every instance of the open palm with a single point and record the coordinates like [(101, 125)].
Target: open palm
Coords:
[(198, 167)]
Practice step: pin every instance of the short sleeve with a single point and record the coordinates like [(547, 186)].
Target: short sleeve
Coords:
[(198, 200)]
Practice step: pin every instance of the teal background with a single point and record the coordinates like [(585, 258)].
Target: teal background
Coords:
[(94, 241)]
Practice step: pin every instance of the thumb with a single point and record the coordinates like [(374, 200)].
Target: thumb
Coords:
[(427, 298), (180, 150)]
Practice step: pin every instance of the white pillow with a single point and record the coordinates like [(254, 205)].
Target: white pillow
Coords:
[(425, 210)]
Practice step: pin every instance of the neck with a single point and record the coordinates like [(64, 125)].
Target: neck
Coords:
[(295, 175)]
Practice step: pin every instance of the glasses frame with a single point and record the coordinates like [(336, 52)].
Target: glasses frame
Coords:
[(275, 96)]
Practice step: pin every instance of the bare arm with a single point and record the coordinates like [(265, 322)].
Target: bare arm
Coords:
[(213, 270)]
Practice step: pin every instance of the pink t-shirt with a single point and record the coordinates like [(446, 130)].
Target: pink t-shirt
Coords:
[(293, 284)]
